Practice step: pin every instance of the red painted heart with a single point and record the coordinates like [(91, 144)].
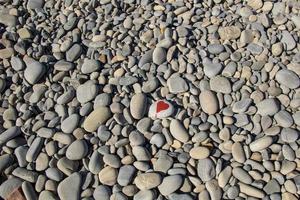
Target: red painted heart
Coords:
[(161, 105)]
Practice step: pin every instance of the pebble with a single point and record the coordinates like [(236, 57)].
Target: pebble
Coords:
[(70, 123), (212, 69), (242, 105), (229, 32), (176, 84), (34, 71), (96, 118), (159, 55), (8, 186), (108, 176), (272, 187), (63, 66), (284, 118), (238, 152), (288, 78), (289, 135), (288, 40), (144, 194), (73, 53), (90, 65), (126, 174), (268, 107), (261, 143), (96, 163), (170, 184), (161, 109), (209, 102), (199, 152), (251, 191), (178, 131), (35, 4), (9, 134), (102, 192), (70, 187), (147, 181), (220, 84), (138, 106), (77, 150), (86, 92), (206, 169)]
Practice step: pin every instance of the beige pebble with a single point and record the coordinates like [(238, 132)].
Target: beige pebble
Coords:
[(199, 152)]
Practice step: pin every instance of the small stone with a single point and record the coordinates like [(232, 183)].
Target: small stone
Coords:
[(141, 153), (212, 69), (199, 152), (108, 176), (17, 194), (261, 143), (284, 119), (215, 48), (242, 105), (251, 191), (288, 40), (77, 150), (178, 131), (170, 184), (288, 78), (127, 80), (33, 4), (277, 49), (126, 174), (145, 195), (9, 134), (159, 55), (90, 65), (70, 123), (255, 48), (214, 190), (206, 169), (102, 192), (176, 84), (268, 107), (24, 33), (86, 92), (17, 64), (6, 53), (47, 195), (161, 109), (96, 163), (147, 181), (220, 84), (209, 102), (224, 176), (97, 117), (289, 135), (138, 106), (34, 71), (229, 32), (63, 66), (255, 4), (241, 175), (73, 53), (272, 187), (70, 187), (238, 152), (8, 186)]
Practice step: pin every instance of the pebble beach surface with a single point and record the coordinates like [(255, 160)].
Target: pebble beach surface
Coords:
[(149, 100)]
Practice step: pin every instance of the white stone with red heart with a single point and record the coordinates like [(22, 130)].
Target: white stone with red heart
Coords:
[(161, 109)]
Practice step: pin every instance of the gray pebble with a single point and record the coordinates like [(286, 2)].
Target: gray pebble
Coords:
[(206, 169), (70, 187), (77, 150)]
